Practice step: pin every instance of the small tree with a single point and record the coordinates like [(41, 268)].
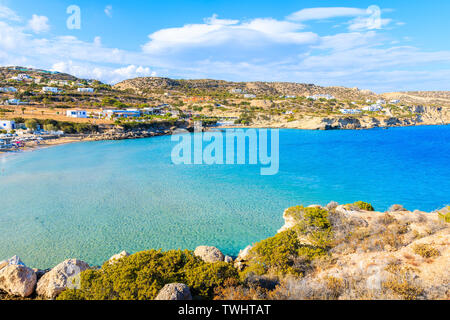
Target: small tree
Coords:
[(31, 124)]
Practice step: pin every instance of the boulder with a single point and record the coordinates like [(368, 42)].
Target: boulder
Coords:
[(228, 259), (332, 205), (239, 263), (174, 291), (60, 277), (118, 256), (397, 208), (18, 280), (209, 254)]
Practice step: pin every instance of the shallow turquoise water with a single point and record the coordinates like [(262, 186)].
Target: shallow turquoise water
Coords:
[(91, 200)]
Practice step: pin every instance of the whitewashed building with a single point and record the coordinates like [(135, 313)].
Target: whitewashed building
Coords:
[(8, 89), (50, 89), (13, 102), (249, 96), (350, 111), (321, 96), (76, 113), (90, 90), (373, 108), (7, 125)]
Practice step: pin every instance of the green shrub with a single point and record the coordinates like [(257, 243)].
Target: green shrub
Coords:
[(314, 223), (275, 254), (204, 278), (142, 275), (364, 206), (426, 250)]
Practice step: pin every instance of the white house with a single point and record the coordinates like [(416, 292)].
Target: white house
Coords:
[(85, 90), (236, 91), (249, 96), (7, 125), (394, 101), (50, 89), (21, 77), (321, 96), (121, 113), (381, 101), (13, 102), (76, 113), (350, 111), (373, 108), (8, 89)]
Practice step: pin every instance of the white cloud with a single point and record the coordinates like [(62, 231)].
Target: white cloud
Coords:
[(325, 13), (216, 32), (89, 71), (263, 49), (109, 10), (8, 14), (39, 24), (215, 20)]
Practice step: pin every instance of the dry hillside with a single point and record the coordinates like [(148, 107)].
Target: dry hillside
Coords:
[(151, 84)]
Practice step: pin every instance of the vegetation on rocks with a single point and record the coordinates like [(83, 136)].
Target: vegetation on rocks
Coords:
[(322, 253), (142, 275)]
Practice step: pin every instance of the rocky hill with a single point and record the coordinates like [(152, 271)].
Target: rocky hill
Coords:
[(441, 98), (149, 84), (9, 72)]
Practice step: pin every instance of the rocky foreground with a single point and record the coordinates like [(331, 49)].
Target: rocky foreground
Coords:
[(333, 252)]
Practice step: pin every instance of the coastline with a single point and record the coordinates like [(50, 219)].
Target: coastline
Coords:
[(422, 241), (31, 146)]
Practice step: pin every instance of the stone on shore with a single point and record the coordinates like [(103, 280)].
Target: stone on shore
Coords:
[(209, 254), (242, 257), (60, 278), (118, 256), (174, 291), (17, 280), (13, 261), (228, 259)]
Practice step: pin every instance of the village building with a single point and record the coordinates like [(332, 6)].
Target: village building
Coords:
[(350, 111), (50, 89), (110, 114), (13, 102), (373, 108), (76, 113), (89, 90), (7, 125), (321, 96), (8, 89)]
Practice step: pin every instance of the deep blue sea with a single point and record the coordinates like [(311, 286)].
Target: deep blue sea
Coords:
[(91, 200)]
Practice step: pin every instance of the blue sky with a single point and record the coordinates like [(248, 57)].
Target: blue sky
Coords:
[(377, 45)]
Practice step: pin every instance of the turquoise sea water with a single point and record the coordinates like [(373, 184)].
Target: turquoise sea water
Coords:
[(92, 200)]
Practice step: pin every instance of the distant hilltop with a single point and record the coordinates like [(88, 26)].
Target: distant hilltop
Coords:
[(145, 85), (12, 71), (260, 89)]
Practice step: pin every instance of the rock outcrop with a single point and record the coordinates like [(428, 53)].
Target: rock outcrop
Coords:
[(18, 280), (60, 278), (174, 291), (242, 257), (15, 260), (118, 256), (209, 254)]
